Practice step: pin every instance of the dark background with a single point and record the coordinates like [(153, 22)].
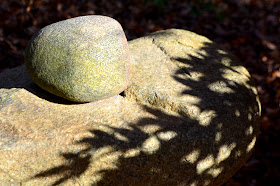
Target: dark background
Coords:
[(250, 29)]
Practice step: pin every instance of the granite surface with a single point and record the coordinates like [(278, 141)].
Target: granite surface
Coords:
[(188, 117), (81, 59)]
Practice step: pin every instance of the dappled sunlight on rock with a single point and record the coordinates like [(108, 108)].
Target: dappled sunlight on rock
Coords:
[(218, 137), (189, 117), (201, 54), (250, 116), (121, 137), (196, 76), (237, 113), (215, 171), (206, 117), (249, 131), (251, 144), (132, 153), (220, 87), (191, 157), (205, 164), (150, 129), (151, 145), (166, 136), (224, 152), (97, 153), (239, 75)]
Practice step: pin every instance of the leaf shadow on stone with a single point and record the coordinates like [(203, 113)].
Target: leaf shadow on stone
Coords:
[(222, 138), (76, 166)]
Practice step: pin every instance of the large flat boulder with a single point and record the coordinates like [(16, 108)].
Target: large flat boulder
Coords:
[(189, 117)]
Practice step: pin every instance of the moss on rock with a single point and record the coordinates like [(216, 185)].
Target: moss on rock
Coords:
[(81, 59)]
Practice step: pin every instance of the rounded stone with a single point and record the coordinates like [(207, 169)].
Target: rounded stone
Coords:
[(81, 59)]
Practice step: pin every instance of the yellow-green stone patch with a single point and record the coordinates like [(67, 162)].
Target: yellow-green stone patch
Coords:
[(81, 59)]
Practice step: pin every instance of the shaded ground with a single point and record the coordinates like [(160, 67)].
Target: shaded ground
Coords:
[(248, 28)]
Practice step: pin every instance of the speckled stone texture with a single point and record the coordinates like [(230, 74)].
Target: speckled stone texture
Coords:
[(81, 59), (189, 117)]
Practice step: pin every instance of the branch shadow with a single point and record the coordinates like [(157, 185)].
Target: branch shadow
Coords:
[(77, 165), (179, 139)]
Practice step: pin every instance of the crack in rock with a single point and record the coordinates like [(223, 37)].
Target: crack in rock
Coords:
[(172, 58)]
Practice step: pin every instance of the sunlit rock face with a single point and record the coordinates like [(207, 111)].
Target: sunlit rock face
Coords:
[(189, 117), (81, 59)]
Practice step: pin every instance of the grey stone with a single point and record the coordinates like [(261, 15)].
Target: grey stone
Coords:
[(189, 117), (81, 59)]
